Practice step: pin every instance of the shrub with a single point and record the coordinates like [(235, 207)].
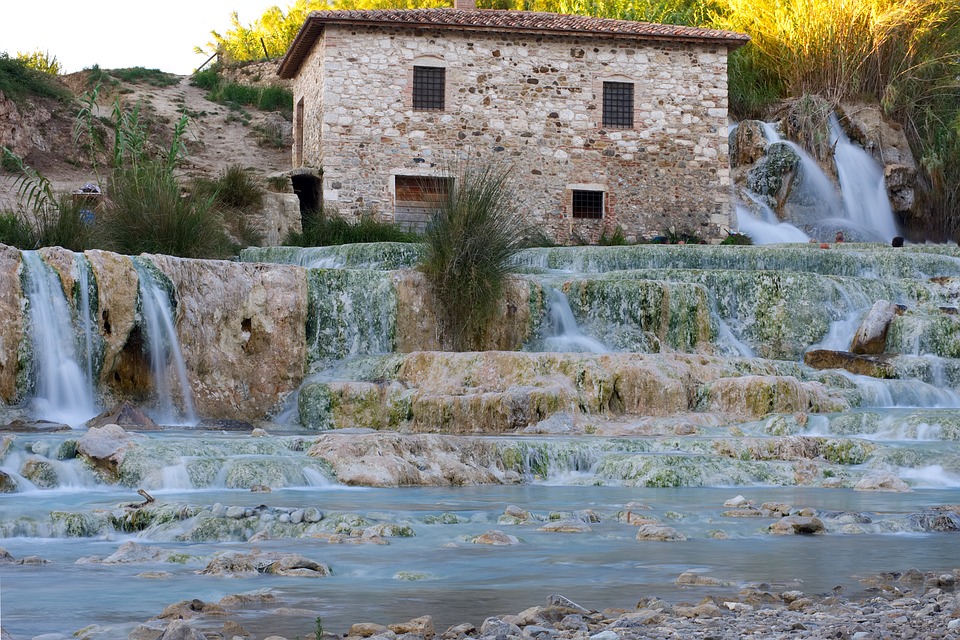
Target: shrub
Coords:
[(469, 249), (326, 227), (41, 61), (235, 188), (18, 81), (270, 98), (737, 239)]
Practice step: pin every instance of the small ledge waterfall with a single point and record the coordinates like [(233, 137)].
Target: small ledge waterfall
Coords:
[(164, 347), (62, 393)]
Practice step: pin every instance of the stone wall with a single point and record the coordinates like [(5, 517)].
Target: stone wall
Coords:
[(534, 102)]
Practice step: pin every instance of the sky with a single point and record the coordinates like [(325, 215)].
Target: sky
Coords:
[(121, 33)]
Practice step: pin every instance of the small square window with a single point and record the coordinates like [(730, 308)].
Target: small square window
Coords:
[(429, 88), (618, 105), (587, 204)]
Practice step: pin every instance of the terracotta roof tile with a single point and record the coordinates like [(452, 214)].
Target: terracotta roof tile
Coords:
[(497, 21)]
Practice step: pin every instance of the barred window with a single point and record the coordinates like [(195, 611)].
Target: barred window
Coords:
[(587, 204), (618, 104), (428, 88)]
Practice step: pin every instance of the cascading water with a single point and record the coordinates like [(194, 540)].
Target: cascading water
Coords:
[(861, 209), (87, 316), (862, 184), (767, 231), (164, 348), (563, 332), (63, 393)]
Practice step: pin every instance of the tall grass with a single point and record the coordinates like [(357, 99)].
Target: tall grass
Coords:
[(468, 251), (326, 227), (904, 54), (147, 212)]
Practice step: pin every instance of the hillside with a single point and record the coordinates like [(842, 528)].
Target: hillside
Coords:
[(40, 129)]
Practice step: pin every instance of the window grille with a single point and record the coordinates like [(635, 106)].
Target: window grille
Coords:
[(428, 88), (587, 204), (618, 104)]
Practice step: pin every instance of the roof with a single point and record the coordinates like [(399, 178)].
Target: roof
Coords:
[(496, 21)]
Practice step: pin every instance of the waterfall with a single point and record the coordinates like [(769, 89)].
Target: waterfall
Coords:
[(164, 347), (766, 231), (563, 332), (864, 192), (62, 393), (87, 318)]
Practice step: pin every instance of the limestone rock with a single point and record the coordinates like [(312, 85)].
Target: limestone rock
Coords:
[(798, 525), (873, 366), (422, 626), (181, 630), (366, 629), (126, 415), (105, 447), (40, 472), (881, 482), (748, 143), (7, 483), (659, 532), (570, 525), (11, 318), (496, 538), (871, 335), (279, 216), (125, 367), (391, 460)]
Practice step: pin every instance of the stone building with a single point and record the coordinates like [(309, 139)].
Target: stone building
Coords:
[(604, 123)]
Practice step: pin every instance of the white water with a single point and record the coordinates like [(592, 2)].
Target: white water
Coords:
[(164, 347), (861, 209), (767, 231), (564, 333), (87, 320), (862, 184), (62, 393)]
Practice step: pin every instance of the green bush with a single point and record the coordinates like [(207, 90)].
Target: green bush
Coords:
[(737, 239), (18, 81), (326, 228), (269, 98), (469, 249)]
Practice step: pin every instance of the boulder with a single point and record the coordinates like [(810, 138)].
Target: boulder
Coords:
[(659, 532), (8, 483), (422, 626), (125, 415), (366, 630), (181, 630), (862, 365), (871, 335), (881, 482), (495, 538), (105, 447), (567, 525), (294, 565), (790, 525)]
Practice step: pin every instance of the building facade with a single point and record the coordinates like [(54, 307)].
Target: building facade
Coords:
[(604, 124)]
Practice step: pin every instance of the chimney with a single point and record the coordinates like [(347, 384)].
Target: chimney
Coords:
[(465, 5)]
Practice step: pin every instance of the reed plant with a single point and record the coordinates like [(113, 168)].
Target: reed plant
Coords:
[(468, 252)]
